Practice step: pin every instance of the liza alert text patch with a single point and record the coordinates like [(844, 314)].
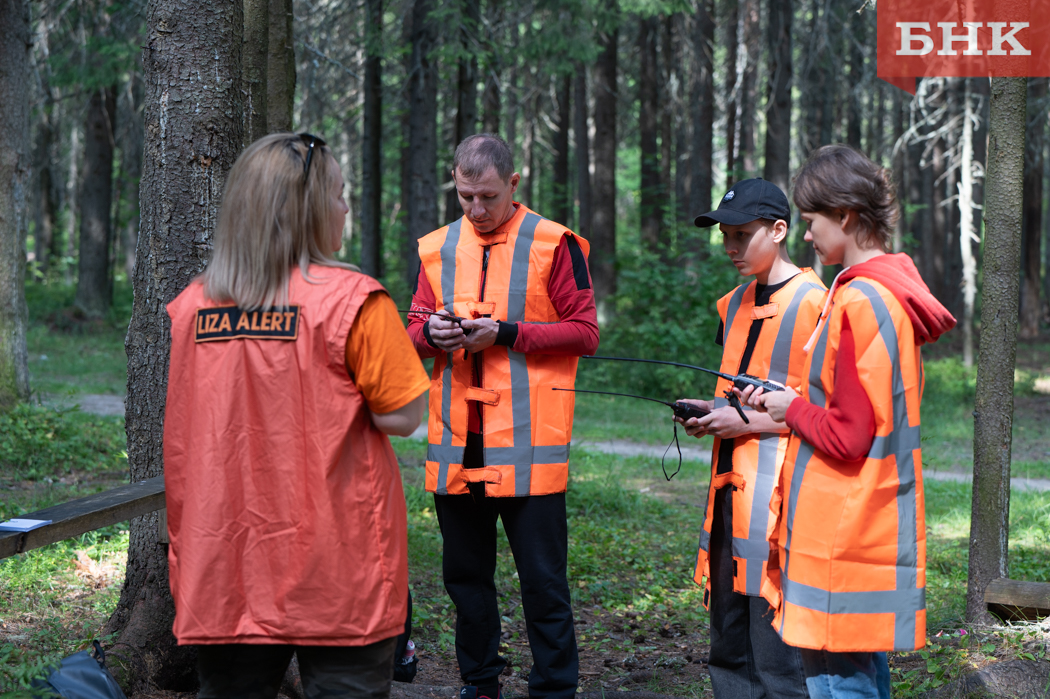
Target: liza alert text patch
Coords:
[(231, 323)]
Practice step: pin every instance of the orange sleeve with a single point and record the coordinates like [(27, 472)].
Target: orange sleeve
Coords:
[(381, 359)]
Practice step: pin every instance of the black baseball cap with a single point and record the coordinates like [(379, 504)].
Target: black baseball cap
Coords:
[(747, 201)]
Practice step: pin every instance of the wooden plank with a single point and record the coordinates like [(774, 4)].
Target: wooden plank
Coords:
[(1014, 600), (75, 517)]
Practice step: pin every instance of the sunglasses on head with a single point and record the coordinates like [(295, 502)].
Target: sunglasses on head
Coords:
[(310, 140)]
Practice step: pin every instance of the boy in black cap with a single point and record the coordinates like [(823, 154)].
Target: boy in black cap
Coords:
[(764, 324)]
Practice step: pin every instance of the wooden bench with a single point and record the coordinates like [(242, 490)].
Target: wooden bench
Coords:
[(76, 517), (1018, 600)]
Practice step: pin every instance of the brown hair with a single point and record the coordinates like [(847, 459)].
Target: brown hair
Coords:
[(839, 178), (477, 153), (270, 221)]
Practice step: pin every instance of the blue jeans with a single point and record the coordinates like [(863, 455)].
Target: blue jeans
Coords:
[(846, 675)]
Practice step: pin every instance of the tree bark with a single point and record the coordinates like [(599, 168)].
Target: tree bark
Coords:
[(45, 205), (421, 177), (562, 209), (731, 87), (650, 196), (994, 405), (372, 147), (491, 96), (15, 160), (778, 106), (131, 156), (94, 294), (967, 235), (856, 36), (669, 61), (194, 132), (254, 58), (280, 67), (466, 93), (748, 93), (1031, 297), (703, 106), (603, 241), (583, 152)]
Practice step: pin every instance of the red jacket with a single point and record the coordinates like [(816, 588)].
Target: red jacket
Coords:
[(285, 509)]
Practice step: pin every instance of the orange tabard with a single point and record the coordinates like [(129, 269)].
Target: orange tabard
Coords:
[(527, 426), (788, 321), (852, 535), (285, 508)]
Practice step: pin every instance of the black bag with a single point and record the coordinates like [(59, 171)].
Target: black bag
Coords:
[(82, 675)]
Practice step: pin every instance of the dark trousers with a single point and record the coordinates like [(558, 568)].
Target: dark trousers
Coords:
[(242, 671), (748, 659), (538, 536)]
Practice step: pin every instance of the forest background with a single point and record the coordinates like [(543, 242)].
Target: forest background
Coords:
[(626, 120)]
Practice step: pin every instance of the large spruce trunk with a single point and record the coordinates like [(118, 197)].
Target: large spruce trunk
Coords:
[(603, 240), (994, 404), (15, 159), (193, 124), (94, 291), (372, 146), (778, 105), (420, 157), (650, 196)]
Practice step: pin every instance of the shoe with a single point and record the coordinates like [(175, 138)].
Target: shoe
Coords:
[(406, 666), (471, 692)]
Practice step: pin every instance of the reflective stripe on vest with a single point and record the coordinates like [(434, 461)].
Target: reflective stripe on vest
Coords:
[(907, 599), (764, 452), (510, 469)]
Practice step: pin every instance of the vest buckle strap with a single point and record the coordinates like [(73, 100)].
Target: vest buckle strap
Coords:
[(481, 309), (770, 310), (487, 474), (488, 396), (732, 478)]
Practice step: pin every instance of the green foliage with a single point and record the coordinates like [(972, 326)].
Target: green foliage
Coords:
[(38, 442), (662, 311)]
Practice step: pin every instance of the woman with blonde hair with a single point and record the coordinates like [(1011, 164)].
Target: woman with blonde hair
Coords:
[(285, 510)]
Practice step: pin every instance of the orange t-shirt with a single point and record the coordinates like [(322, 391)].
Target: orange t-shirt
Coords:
[(381, 359)]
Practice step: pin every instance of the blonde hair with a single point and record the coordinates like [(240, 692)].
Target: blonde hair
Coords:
[(270, 221)]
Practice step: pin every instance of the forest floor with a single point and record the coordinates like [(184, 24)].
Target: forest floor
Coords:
[(640, 622)]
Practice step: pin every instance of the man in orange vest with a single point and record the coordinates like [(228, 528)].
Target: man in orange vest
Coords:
[(498, 435), (764, 324)]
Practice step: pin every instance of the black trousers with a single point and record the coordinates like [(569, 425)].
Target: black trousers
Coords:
[(242, 671), (537, 531), (748, 658)]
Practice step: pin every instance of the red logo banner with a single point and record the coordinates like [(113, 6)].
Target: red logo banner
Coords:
[(962, 38)]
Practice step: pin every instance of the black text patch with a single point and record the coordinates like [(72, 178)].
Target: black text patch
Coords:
[(231, 323)]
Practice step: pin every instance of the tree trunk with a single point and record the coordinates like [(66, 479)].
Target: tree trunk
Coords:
[(45, 206), (681, 109), (703, 106), (994, 405), (491, 95), (650, 195), (778, 106), (856, 36), (254, 57), (748, 95), (669, 61), (1031, 298), (421, 194), (603, 240), (466, 94), (967, 235), (372, 148), (280, 68), (562, 209), (193, 134), (731, 87), (583, 153), (131, 155), (15, 160), (96, 197)]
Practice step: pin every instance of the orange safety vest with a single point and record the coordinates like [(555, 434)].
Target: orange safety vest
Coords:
[(285, 509), (527, 427), (852, 535), (789, 319)]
